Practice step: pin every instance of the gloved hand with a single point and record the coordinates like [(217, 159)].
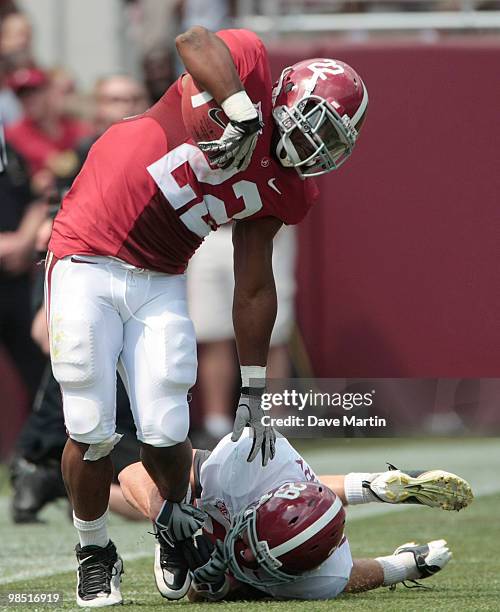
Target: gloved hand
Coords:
[(214, 569), (197, 551), (235, 147), (178, 521), (250, 413), (211, 592)]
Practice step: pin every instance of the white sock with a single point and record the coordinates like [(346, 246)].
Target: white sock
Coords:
[(355, 492), (398, 568), (92, 533), (218, 425)]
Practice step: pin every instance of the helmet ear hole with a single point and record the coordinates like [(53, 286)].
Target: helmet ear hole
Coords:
[(293, 521)]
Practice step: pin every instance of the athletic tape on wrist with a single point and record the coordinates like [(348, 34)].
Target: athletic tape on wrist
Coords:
[(239, 107), (253, 376)]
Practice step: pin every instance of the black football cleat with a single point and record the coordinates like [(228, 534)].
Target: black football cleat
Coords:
[(98, 576), (171, 569)]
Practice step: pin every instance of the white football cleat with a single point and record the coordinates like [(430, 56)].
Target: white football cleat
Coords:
[(98, 576), (429, 558), (434, 488), (171, 570)]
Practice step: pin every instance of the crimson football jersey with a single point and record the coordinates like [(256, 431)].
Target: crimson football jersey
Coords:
[(147, 195)]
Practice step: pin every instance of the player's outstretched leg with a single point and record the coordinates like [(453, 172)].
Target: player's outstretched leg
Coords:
[(99, 566), (409, 563), (434, 488)]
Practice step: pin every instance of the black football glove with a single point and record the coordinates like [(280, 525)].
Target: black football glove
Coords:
[(235, 147), (212, 572), (250, 413), (208, 567), (178, 521)]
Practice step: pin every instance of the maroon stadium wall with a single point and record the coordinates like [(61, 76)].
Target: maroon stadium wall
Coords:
[(399, 262)]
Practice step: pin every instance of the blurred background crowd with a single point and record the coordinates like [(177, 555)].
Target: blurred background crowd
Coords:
[(61, 87)]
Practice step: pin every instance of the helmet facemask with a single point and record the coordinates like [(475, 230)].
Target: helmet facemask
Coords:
[(270, 574), (315, 139)]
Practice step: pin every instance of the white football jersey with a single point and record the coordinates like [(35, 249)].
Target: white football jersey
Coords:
[(230, 483)]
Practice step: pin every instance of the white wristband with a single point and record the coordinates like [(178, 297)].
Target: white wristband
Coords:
[(239, 107), (256, 374)]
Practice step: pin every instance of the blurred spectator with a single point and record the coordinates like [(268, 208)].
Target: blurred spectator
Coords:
[(16, 41), (10, 108), (155, 22), (20, 219), (47, 135), (8, 6), (63, 96), (213, 15), (210, 290), (159, 71), (115, 97)]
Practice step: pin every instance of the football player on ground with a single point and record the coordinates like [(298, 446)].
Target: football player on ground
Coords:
[(279, 530), (144, 201)]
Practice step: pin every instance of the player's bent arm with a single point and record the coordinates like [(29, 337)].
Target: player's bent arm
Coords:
[(255, 301), (209, 61), (336, 484), (140, 491)]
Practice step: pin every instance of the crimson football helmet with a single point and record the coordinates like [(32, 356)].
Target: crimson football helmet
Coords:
[(291, 530), (319, 106)]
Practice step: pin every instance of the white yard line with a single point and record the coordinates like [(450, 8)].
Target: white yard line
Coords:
[(56, 568)]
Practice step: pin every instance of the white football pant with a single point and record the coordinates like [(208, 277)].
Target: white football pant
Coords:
[(106, 315)]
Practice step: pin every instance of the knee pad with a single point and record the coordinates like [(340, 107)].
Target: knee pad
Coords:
[(85, 419), (171, 422), (102, 449)]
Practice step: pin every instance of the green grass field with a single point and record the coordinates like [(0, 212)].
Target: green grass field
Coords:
[(39, 557)]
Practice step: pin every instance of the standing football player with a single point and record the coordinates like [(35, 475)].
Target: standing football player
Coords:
[(115, 284)]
